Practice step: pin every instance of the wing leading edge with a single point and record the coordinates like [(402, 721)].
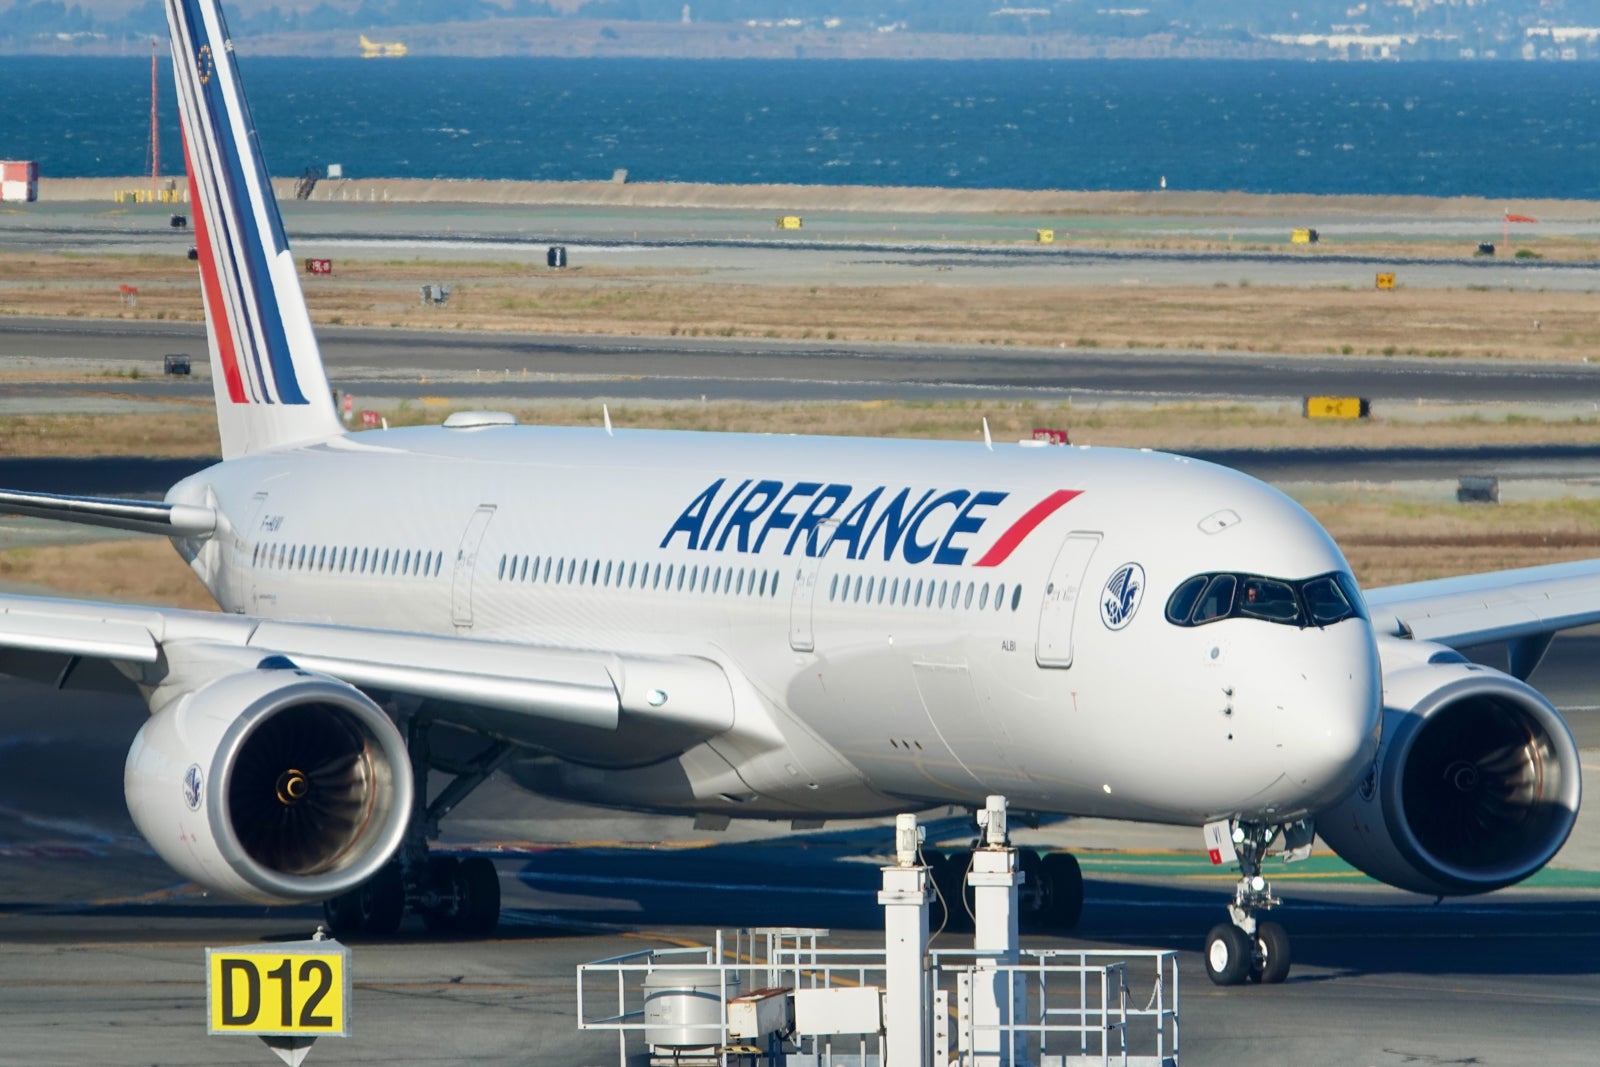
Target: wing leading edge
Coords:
[(1522, 608), (140, 516), (512, 690)]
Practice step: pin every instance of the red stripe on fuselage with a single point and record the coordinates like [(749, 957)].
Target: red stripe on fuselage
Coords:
[(1008, 542), (216, 310)]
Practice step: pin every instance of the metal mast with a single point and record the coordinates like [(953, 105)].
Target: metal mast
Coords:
[(155, 130)]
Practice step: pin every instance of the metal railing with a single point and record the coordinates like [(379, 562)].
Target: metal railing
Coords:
[(1070, 1007)]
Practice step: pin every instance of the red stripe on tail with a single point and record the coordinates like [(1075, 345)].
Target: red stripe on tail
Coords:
[(216, 310), (1002, 549)]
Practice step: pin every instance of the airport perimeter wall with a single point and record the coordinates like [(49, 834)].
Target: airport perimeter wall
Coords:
[(802, 198)]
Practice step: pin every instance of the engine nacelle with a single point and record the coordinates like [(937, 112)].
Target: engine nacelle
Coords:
[(271, 785), (1476, 784)]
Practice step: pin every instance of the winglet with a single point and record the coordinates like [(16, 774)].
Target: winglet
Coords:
[(266, 369)]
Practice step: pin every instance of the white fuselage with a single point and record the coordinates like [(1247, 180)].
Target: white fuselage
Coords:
[(900, 620)]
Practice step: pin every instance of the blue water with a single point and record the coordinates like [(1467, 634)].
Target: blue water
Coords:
[(1489, 129)]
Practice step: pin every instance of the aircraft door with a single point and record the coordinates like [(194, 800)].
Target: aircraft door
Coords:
[(1061, 597), (466, 564), (807, 571)]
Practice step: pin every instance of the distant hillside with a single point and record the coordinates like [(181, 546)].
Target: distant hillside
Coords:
[(1336, 29)]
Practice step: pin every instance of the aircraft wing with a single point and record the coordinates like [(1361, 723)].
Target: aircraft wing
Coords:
[(1523, 606), (512, 690), (142, 516)]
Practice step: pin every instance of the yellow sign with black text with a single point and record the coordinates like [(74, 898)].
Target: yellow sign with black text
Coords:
[(298, 989), (1337, 407)]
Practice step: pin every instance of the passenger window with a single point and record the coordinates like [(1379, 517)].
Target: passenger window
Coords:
[(968, 604), (1016, 597), (983, 597), (999, 595)]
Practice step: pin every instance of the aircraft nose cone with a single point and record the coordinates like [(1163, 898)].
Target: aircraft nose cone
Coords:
[(1333, 736)]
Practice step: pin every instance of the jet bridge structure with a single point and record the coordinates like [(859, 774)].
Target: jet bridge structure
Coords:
[(782, 996)]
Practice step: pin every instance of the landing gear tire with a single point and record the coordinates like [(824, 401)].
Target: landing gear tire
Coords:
[(442, 905), (1065, 880), (949, 874), (1229, 955), (462, 896), (480, 896), (1271, 964), (1033, 896), (373, 908)]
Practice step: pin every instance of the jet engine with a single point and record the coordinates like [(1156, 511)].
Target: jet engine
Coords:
[(271, 784), (1475, 786)]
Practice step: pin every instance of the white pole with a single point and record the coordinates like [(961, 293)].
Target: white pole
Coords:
[(908, 1037), (994, 880)]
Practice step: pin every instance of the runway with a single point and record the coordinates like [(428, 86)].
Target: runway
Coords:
[(469, 367), (101, 949)]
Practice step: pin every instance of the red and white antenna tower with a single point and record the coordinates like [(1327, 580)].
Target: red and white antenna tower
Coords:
[(155, 129)]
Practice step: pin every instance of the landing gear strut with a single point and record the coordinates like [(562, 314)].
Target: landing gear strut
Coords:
[(457, 896), (1247, 948)]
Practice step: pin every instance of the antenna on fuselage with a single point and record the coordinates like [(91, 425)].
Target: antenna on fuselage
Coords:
[(988, 442), (606, 411)]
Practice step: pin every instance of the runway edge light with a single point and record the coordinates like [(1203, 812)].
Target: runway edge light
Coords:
[(287, 994)]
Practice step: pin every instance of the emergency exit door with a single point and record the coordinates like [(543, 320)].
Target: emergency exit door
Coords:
[(466, 565), (1061, 596)]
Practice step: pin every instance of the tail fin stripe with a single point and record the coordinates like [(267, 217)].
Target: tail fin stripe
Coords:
[(226, 350), (221, 99), (272, 391)]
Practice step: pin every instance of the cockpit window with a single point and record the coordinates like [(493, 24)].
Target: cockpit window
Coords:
[(1218, 599), (1327, 601), (1271, 600), (1319, 601), (1182, 600)]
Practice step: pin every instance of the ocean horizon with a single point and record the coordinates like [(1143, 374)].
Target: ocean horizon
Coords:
[(1434, 129)]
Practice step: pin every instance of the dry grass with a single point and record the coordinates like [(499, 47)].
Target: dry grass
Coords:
[(1388, 542), (510, 297), (191, 430), (187, 431), (143, 571)]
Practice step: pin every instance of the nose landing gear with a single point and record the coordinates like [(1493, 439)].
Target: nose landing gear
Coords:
[(1249, 949)]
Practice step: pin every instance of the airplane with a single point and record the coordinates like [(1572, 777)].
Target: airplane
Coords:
[(764, 626), (381, 49)]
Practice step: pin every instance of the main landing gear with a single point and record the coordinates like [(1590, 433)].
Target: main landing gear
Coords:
[(1049, 900), (1249, 949), (454, 896)]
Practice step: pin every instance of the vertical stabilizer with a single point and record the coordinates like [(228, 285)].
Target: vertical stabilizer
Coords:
[(265, 366)]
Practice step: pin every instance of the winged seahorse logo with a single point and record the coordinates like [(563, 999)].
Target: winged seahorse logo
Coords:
[(1120, 598)]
